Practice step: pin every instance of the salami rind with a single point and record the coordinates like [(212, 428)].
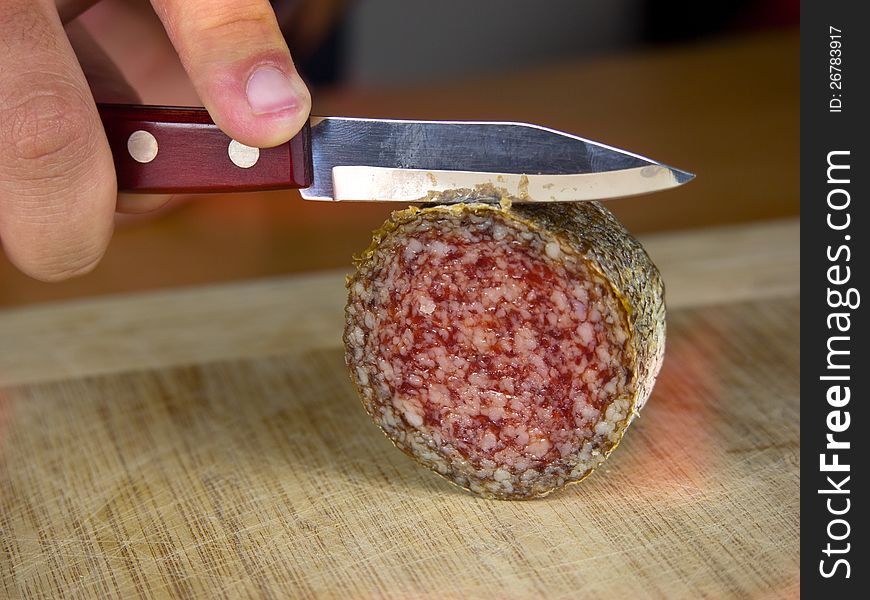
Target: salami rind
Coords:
[(507, 348)]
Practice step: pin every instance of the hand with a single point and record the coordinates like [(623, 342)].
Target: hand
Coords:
[(58, 191)]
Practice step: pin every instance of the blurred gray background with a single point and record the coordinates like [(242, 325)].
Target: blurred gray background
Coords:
[(398, 42)]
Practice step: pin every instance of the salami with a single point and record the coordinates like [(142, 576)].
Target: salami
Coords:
[(506, 348)]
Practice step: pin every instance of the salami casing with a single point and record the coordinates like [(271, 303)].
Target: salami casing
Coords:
[(505, 347)]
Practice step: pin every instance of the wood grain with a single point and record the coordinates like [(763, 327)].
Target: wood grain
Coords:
[(207, 443), (263, 478)]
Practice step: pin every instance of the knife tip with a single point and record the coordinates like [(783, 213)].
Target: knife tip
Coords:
[(681, 176)]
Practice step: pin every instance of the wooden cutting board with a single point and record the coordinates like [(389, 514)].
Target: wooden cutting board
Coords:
[(206, 443)]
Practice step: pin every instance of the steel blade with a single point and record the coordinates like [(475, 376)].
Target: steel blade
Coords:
[(379, 159)]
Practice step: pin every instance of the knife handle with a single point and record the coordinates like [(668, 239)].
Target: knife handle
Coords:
[(161, 149)]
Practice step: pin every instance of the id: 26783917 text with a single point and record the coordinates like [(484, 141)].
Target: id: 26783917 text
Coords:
[(835, 69)]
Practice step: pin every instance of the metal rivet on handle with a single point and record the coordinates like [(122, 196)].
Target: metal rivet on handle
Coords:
[(243, 156), (142, 146)]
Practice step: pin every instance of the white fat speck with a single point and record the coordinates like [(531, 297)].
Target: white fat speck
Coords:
[(501, 475), (524, 340), (560, 300), (620, 334), (603, 428), (386, 368), (439, 248), (413, 418), (427, 306), (491, 296), (587, 333), (495, 413), (614, 409), (388, 419), (412, 248), (529, 475), (553, 250), (539, 448), (565, 449), (589, 412), (439, 394)]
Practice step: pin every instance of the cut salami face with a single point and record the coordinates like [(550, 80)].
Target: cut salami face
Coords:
[(507, 348)]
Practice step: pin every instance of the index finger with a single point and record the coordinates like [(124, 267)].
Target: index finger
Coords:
[(240, 65)]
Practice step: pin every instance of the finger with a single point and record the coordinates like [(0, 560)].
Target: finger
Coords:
[(238, 61), (57, 181), (136, 204), (133, 218)]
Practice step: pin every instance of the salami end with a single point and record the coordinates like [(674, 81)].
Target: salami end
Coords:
[(506, 348)]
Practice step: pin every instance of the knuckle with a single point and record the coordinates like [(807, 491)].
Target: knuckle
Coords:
[(237, 19), (45, 129)]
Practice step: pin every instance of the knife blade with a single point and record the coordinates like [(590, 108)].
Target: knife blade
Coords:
[(172, 149)]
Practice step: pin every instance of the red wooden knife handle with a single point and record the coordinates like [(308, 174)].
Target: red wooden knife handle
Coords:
[(170, 149)]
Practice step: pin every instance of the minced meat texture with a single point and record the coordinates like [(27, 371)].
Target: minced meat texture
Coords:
[(489, 344)]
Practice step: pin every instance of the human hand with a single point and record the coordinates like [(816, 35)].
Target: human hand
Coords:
[(57, 182)]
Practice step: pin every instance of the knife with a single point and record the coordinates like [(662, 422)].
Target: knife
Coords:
[(175, 150)]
